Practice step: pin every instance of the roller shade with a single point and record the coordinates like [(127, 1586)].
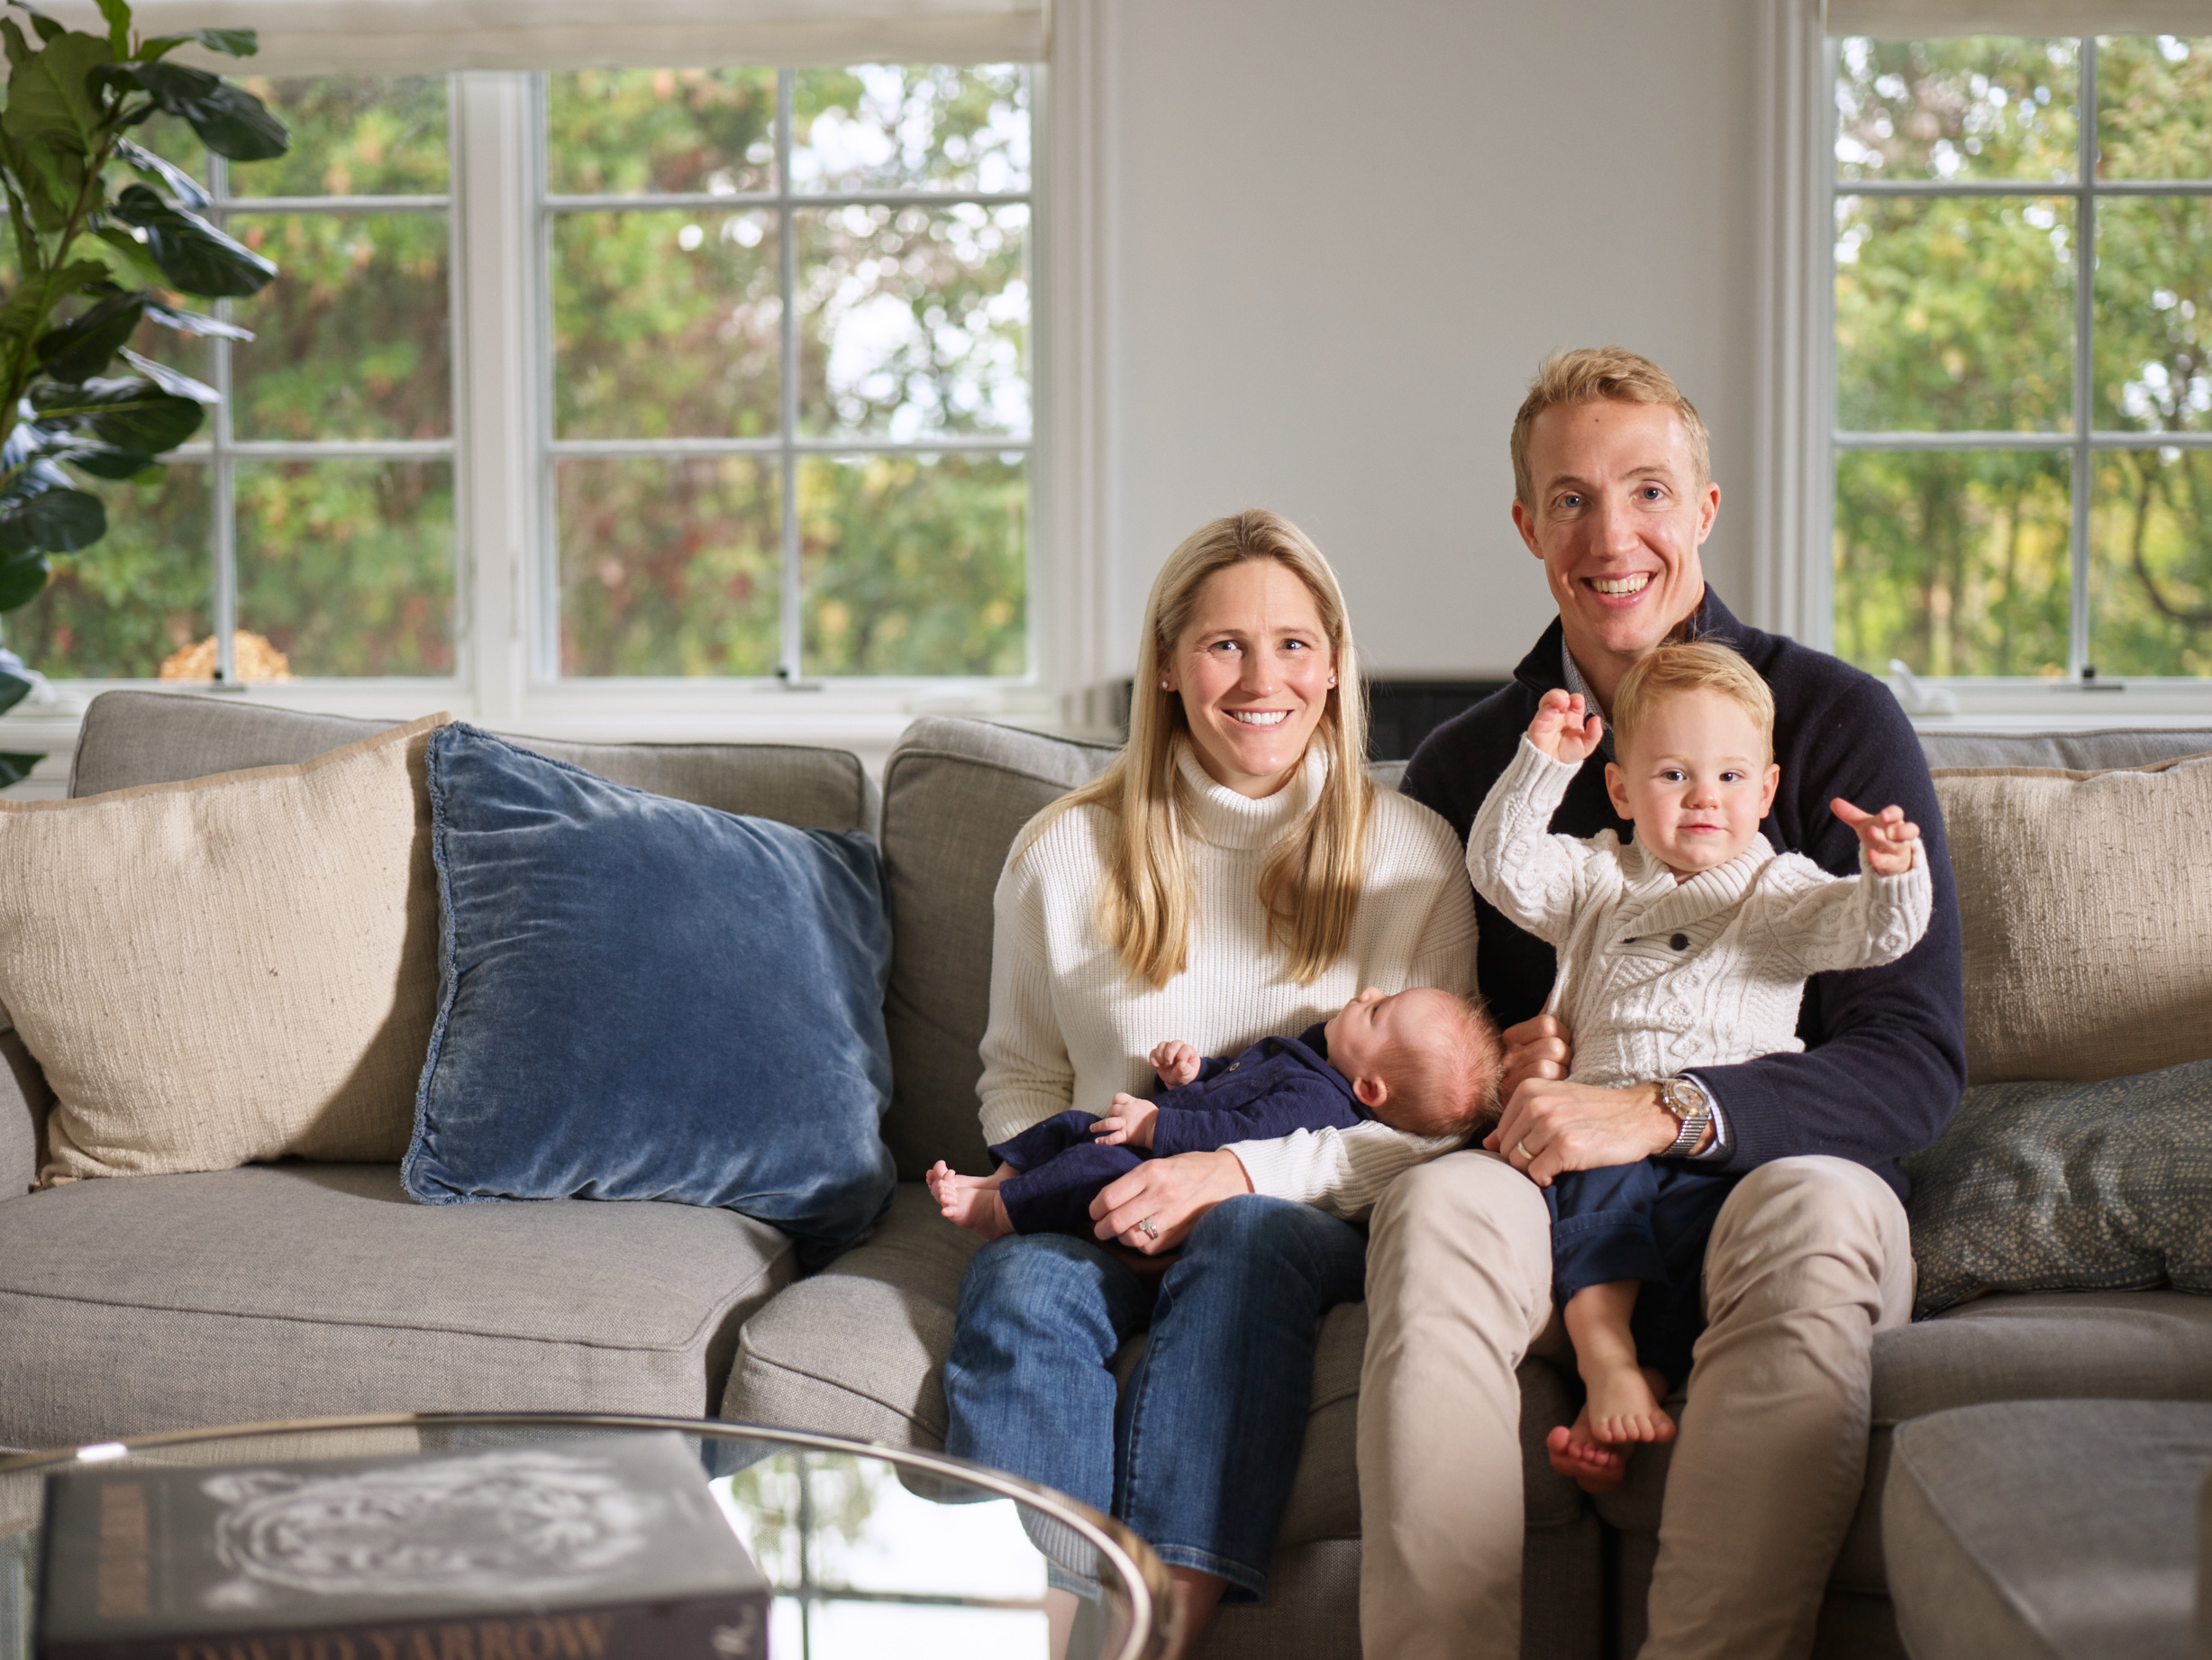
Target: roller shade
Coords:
[(1917, 20), (308, 37)]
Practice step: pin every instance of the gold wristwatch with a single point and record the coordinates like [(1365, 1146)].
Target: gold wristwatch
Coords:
[(1692, 1108)]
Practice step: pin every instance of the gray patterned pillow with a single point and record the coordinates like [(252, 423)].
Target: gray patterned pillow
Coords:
[(2055, 1187)]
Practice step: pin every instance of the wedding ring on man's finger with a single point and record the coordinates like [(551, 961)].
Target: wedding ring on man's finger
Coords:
[(1147, 1229), (1521, 1147)]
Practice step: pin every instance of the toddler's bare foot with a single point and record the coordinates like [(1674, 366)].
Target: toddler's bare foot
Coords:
[(1624, 1406), (1593, 1467), (971, 1202)]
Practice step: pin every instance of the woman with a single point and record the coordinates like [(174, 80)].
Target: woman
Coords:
[(1232, 874)]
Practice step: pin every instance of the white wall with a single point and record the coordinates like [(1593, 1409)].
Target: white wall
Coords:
[(1341, 235)]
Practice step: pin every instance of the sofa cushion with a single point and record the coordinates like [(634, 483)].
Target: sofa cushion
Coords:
[(2082, 900), (955, 793), (134, 738), (289, 1289), (228, 968), (644, 998), (2047, 1187)]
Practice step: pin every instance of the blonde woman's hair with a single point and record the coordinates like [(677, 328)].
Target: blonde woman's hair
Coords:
[(1588, 374), (1701, 665), (1310, 887)]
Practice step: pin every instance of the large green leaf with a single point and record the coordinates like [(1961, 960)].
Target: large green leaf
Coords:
[(51, 522), (193, 322), (230, 120), (13, 767), (182, 185), (130, 414), (80, 349), (14, 686), (118, 16), (191, 252), (127, 260), (48, 97), (18, 49), (22, 579), (231, 43), (100, 460), (175, 382)]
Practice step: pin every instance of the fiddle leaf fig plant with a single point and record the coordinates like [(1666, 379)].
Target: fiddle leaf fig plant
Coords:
[(106, 236)]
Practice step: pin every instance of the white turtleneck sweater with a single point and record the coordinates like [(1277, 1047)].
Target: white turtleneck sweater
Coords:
[(1657, 975), (1070, 1028)]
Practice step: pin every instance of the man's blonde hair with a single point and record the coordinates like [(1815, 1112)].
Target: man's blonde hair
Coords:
[(1590, 373), (1311, 884), (1701, 665)]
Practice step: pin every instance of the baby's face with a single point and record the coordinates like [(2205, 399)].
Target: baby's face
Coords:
[(1696, 780), (1360, 1034)]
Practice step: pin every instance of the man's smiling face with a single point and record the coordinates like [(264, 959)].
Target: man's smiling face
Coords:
[(1619, 515)]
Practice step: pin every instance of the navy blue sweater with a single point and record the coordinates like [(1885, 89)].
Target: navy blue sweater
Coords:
[(1886, 1047)]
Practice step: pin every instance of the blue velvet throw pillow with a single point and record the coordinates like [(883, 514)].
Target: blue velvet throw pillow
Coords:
[(642, 999)]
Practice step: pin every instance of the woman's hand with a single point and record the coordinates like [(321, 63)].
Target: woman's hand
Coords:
[(1171, 1194)]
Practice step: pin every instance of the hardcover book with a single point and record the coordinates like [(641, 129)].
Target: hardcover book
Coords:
[(593, 1549)]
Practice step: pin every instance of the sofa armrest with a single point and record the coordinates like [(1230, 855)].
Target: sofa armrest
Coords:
[(25, 1100)]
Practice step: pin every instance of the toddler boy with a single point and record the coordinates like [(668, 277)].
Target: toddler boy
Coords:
[(1687, 946), (1422, 1060)]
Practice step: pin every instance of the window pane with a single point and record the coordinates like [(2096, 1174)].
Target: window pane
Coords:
[(142, 592), (669, 567), (1954, 314), (2151, 565), (913, 324), (347, 567), (666, 325), (627, 132), (1983, 108), (2154, 107), (353, 340), (351, 135), (907, 127), (915, 565), (2153, 319), (1957, 563)]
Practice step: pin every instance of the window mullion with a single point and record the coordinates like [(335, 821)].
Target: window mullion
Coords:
[(221, 505), (787, 255), (2078, 665)]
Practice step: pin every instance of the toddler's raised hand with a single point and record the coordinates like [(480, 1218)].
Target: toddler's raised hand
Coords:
[(1887, 836), (1175, 1062), (1130, 1121), (1563, 729)]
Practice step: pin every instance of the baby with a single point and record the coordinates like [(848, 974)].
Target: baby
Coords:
[(1689, 946), (1422, 1060)]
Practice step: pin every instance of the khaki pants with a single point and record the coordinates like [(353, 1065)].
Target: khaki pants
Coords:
[(1808, 1259)]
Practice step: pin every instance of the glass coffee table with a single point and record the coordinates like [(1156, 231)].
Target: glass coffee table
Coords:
[(867, 1550)]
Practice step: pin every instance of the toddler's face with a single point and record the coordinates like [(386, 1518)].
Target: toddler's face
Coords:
[(1696, 780)]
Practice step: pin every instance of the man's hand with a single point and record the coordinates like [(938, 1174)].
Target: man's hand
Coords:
[(1887, 836), (1536, 1048), (1130, 1121), (1549, 1127), (1175, 1062), (1171, 1194), (1562, 730)]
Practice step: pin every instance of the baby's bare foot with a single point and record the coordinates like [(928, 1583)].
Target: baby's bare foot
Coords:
[(971, 1202), (1624, 1406), (1593, 1467)]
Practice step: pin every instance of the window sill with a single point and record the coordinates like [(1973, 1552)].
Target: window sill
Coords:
[(2047, 705)]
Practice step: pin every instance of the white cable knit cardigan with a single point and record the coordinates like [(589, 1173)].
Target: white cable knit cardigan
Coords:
[(1070, 1028), (1657, 976)]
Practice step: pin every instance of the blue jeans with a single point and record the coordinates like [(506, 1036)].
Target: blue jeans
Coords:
[(1648, 1221), (1198, 1455)]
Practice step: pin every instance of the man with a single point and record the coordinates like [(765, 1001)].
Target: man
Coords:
[(1808, 1258)]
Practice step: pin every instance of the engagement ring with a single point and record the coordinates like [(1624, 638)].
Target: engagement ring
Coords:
[(1147, 1229)]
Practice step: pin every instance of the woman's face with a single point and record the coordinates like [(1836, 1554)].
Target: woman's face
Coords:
[(1254, 668)]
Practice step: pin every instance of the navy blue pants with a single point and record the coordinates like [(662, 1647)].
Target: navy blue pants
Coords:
[(1646, 1221), (1062, 1170)]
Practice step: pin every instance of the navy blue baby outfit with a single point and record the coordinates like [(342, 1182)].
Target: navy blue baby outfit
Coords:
[(1647, 1221), (1278, 1086)]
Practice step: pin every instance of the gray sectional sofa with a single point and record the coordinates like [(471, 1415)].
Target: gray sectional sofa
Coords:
[(150, 1303)]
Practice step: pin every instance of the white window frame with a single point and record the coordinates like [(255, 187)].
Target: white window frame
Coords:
[(1793, 586), (505, 555)]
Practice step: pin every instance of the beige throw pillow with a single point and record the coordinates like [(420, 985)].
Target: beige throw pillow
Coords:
[(227, 969), (2087, 902)]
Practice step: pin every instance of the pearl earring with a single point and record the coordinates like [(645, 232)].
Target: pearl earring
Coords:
[(1332, 680)]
